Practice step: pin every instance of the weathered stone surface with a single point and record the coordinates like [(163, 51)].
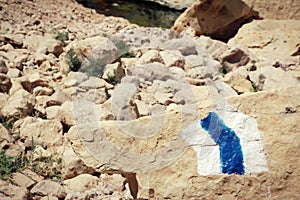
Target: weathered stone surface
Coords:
[(150, 57), (217, 19), (74, 79), (271, 78), (80, 183), (276, 9), (21, 180), (272, 39), (239, 83), (175, 4), (13, 192), (173, 58), (113, 71), (72, 165), (92, 83), (151, 72), (5, 138), (20, 104), (85, 144), (48, 133), (47, 187)]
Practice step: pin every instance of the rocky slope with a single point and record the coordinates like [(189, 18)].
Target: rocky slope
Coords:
[(146, 113)]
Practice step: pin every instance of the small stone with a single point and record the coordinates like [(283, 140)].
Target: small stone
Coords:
[(21, 180), (5, 83), (142, 108), (81, 183), (47, 187)]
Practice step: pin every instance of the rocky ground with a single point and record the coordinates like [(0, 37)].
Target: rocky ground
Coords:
[(72, 80)]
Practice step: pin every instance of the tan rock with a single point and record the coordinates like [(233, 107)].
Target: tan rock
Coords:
[(92, 83), (14, 192), (142, 108), (20, 104), (13, 73), (150, 57), (239, 83), (217, 19), (5, 137), (74, 79), (47, 187), (113, 72), (272, 39), (21, 180), (45, 132), (80, 183), (173, 59), (72, 165)]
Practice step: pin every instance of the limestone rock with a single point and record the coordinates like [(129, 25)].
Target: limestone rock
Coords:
[(13, 73), (239, 83), (45, 132), (113, 72), (31, 81), (20, 104), (179, 5), (151, 72), (72, 165), (272, 39), (217, 19), (173, 59), (150, 57), (92, 83), (3, 67), (5, 137), (142, 108), (271, 78), (80, 183), (14, 192), (43, 45), (22, 180), (5, 83), (48, 188), (74, 79)]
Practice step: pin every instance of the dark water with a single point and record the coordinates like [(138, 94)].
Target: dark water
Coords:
[(137, 12)]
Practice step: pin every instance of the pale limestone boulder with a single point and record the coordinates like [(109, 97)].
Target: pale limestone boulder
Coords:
[(72, 165), (270, 78), (32, 80), (40, 91), (47, 133), (3, 99), (48, 188), (74, 79), (20, 104), (43, 44), (151, 72), (239, 83), (218, 19), (113, 71), (92, 83), (13, 73), (172, 58), (271, 39), (21, 180), (5, 137), (14, 39), (142, 108), (150, 56), (80, 183), (5, 83), (14, 192)]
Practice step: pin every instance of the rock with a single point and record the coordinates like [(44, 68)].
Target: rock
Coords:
[(43, 45), (185, 45), (272, 39), (72, 165), (48, 133), (21, 180), (113, 72), (13, 73), (20, 104), (173, 58), (234, 58), (39, 91), (163, 98), (121, 101), (150, 56), (239, 83), (48, 188), (13, 39), (74, 79), (5, 83), (3, 100), (151, 72), (142, 108), (214, 48), (31, 81), (131, 79), (271, 78), (92, 83), (80, 183), (217, 19), (13, 192), (276, 9)]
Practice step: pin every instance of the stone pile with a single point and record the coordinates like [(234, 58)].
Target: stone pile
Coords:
[(122, 125)]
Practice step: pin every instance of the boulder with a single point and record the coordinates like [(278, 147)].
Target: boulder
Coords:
[(173, 58), (21, 180), (151, 72), (47, 133), (48, 188), (150, 57), (80, 183), (170, 141), (13, 192), (276, 9), (271, 39), (218, 19), (20, 104)]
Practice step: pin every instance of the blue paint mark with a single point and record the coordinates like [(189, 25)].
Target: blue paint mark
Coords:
[(231, 155)]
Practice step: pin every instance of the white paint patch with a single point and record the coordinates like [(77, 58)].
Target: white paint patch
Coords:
[(208, 154)]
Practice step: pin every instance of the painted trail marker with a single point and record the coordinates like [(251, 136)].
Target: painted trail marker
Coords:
[(227, 141)]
